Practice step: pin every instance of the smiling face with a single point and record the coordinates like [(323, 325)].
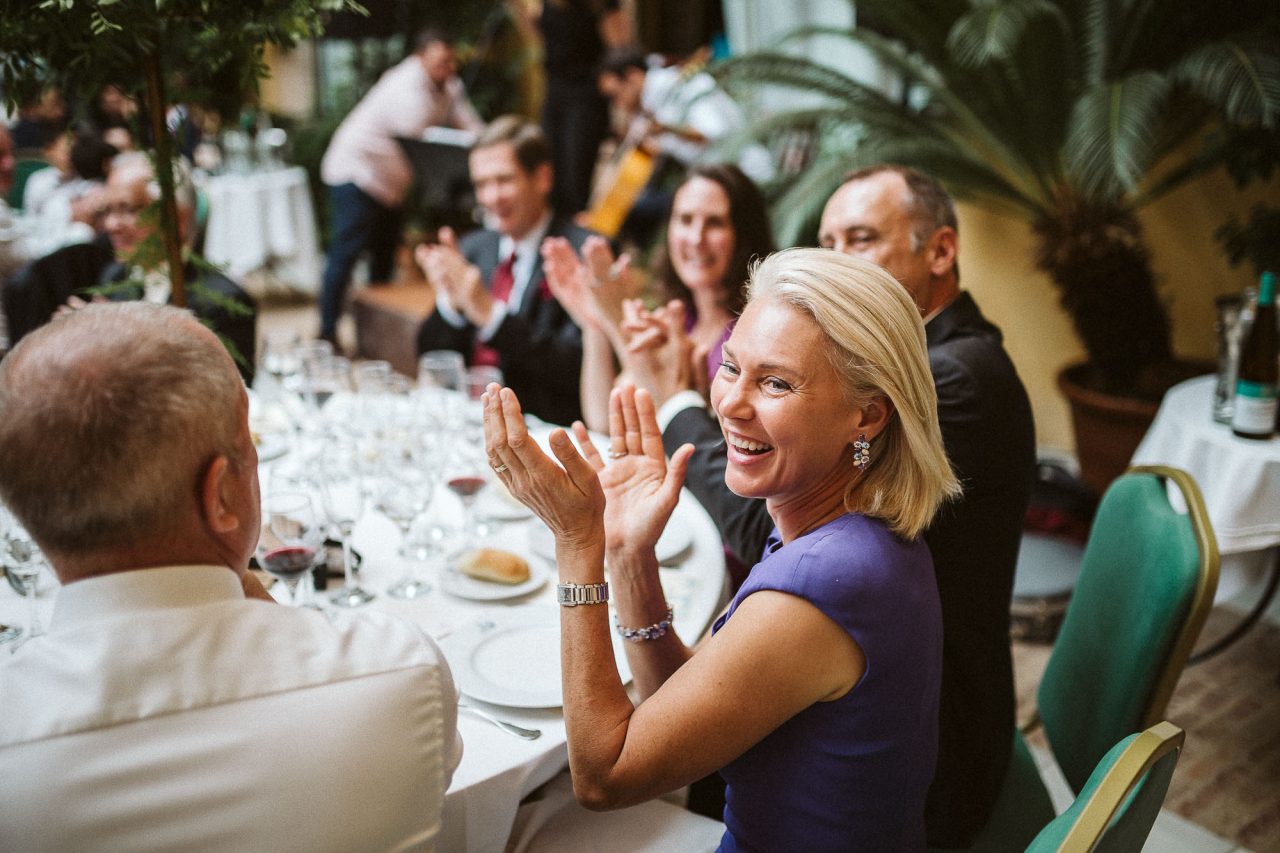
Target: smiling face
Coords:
[(700, 235), (786, 418), (439, 61), (869, 219), (514, 198)]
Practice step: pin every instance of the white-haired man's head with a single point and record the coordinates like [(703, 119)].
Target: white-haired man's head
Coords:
[(131, 188)]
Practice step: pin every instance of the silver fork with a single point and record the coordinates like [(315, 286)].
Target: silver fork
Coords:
[(509, 728)]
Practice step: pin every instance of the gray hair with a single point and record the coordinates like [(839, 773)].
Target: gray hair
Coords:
[(108, 417), (184, 189), (875, 342)]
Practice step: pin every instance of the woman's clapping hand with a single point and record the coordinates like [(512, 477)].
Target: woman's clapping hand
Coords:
[(640, 488)]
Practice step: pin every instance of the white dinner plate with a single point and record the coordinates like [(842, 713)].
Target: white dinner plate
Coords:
[(671, 548), (513, 658), (465, 586), (497, 504)]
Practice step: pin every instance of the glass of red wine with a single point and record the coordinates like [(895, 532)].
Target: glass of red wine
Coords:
[(466, 476), (292, 535)]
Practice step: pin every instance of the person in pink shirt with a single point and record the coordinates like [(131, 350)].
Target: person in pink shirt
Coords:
[(367, 174)]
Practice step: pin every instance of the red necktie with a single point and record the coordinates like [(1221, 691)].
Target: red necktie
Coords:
[(500, 289)]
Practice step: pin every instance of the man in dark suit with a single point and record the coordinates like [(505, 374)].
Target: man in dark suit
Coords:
[(492, 301), (906, 222)]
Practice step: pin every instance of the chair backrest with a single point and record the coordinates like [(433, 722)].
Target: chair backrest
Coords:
[(1146, 584), (1119, 803)]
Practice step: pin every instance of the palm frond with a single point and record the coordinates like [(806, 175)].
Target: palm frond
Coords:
[(993, 29), (1239, 76), (797, 210), (779, 69), (1109, 143)]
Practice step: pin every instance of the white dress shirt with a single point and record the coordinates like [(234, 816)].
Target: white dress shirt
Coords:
[(163, 711), (404, 102)]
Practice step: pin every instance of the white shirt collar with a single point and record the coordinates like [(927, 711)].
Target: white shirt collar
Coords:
[(140, 590), (527, 245)]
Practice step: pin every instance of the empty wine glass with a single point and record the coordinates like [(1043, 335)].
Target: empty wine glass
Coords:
[(342, 490), (291, 538), (442, 381), (23, 557)]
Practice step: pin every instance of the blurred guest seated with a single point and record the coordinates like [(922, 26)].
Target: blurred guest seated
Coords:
[(906, 222), (674, 113), (140, 271), (367, 174), (23, 238), (167, 708), (821, 710), (719, 222), (49, 107), (71, 189), (493, 303)]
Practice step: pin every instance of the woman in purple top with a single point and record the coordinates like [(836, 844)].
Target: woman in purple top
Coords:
[(718, 223), (817, 692)]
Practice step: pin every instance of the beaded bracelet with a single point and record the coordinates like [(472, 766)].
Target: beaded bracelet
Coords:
[(649, 632)]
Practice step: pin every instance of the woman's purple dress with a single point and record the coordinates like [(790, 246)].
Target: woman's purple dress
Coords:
[(850, 774)]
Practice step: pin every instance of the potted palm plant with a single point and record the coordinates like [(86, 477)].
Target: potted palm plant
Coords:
[(1071, 114)]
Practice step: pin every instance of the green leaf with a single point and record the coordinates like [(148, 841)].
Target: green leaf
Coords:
[(1240, 77), (993, 29), (1111, 137)]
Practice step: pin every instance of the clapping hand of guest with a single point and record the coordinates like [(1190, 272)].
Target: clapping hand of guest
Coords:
[(640, 487), (75, 303), (448, 271), (659, 356), (591, 288), (567, 497)]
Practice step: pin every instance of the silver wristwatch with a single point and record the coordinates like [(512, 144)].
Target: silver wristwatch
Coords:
[(573, 594)]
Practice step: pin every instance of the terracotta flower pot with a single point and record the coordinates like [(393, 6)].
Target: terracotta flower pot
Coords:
[(1108, 428)]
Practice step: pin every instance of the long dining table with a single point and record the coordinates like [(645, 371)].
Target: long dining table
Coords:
[(501, 641)]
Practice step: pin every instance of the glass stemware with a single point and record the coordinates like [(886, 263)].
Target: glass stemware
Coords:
[(291, 538), (405, 491), (342, 490), (467, 475)]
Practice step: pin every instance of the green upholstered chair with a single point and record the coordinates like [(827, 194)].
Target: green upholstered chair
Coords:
[(1146, 584), (1118, 805)]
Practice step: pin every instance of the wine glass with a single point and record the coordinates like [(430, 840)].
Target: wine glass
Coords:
[(405, 491), (478, 378), (442, 380), (290, 540), (281, 358), (23, 557), (342, 490), (466, 475)]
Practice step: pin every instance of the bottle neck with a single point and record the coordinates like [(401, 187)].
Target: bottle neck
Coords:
[(1267, 290)]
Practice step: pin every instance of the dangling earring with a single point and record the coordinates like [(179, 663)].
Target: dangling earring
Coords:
[(861, 452)]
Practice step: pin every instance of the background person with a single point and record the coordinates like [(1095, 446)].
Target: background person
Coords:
[(493, 304), (367, 174), (818, 705), (719, 222), (163, 709)]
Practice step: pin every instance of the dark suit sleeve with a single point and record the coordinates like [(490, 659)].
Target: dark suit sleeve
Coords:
[(744, 523)]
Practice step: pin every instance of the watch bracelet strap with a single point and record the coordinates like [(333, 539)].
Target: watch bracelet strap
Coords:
[(573, 594)]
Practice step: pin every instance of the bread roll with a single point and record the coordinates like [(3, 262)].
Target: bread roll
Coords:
[(492, 564)]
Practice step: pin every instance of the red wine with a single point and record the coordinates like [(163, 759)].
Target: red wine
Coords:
[(290, 562), (465, 487)]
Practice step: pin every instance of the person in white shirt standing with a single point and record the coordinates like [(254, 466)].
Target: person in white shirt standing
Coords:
[(165, 709), (367, 174)]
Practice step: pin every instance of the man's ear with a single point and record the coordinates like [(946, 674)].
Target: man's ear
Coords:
[(543, 178), (942, 251), (872, 417), (217, 503)]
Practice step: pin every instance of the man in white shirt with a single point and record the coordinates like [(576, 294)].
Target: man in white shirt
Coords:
[(492, 301), (369, 176), (163, 710)]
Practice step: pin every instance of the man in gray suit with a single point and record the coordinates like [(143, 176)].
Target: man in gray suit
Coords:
[(492, 301)]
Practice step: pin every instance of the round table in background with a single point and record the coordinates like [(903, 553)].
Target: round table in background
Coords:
[(1239, 478)]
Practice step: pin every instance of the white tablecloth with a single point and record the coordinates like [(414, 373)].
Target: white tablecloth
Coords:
[(264, 221), (498, 770), (1240, 478)]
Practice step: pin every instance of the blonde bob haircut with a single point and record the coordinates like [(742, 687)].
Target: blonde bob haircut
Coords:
[(876, 343)]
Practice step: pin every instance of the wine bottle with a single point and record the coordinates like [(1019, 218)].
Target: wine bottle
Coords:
[(1255, 408)]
